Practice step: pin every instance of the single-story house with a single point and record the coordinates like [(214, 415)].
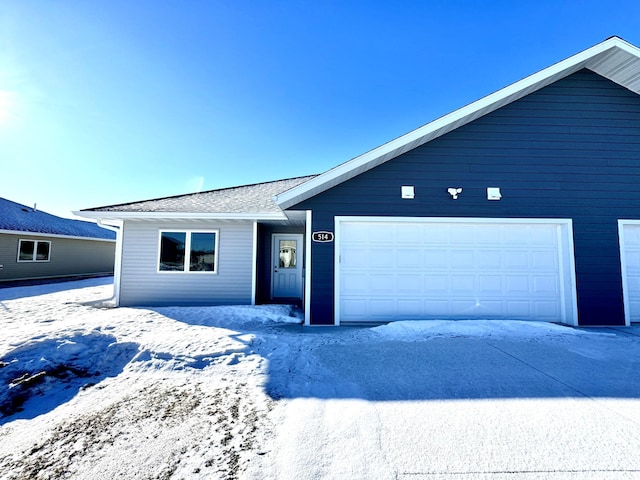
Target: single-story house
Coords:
[(38, 245), (522, 205)]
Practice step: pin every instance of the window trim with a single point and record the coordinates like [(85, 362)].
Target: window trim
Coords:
[(34, 257), (187, 249)]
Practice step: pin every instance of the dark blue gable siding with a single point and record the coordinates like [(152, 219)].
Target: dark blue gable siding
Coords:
[(570, 150)]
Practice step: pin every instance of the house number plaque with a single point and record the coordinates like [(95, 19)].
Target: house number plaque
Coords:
[(322, 237)]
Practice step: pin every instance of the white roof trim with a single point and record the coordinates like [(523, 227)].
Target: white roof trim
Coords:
[(179, 215), (615, 59)]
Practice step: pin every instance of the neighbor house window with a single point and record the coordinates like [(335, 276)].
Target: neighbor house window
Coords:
[(188, 251), (34, 250)]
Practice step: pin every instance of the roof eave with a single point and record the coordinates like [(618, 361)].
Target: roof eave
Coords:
[(594, 58), (54, 235)]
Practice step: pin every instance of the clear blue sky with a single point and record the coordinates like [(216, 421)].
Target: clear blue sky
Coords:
[(105, 102)]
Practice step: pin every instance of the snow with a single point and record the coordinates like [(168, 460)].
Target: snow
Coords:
[(89, 392)]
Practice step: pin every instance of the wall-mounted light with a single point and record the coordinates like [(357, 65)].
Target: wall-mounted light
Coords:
[(454, 192), (493, 193), (407, 191)]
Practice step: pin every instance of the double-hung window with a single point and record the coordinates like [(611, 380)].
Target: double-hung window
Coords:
[(34, 250), (188, 251)]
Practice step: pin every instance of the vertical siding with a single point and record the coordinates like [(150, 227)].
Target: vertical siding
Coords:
[(142, 284), (570, 150), (67, 257)]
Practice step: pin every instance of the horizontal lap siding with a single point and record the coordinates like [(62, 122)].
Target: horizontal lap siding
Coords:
[(142, 284), (67, 257), (571, 150)]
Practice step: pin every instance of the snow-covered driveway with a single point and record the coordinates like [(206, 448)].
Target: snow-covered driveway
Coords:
[(246, 392)]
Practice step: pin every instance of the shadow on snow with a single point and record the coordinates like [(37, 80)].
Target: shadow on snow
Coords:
[(40, 375), (360, 363)]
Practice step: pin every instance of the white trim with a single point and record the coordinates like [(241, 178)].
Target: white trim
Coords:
[(550, 221), (53, 235), (181, 215), (187, 250), (307, 269), (336, 266), (117, 266), (600, 58), (570, 311), (623, 267), (254, 263)]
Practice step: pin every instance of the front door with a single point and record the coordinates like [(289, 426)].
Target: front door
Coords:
[(286, 263)]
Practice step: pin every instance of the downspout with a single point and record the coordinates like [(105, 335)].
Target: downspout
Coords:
[(117, 265)]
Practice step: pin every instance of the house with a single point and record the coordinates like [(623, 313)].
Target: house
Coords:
[(37, 245), (522, 205)]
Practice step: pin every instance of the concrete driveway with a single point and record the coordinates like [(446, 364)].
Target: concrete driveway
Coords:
[(355, 405)]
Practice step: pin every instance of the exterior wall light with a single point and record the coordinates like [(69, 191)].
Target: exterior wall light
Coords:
[(407, 191), (454, 192), (493, 193)]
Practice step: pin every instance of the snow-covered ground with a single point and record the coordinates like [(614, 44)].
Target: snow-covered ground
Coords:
[(92, 392)]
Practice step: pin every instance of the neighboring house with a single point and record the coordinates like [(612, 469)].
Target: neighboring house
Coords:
[(522, 205), (37, 245)]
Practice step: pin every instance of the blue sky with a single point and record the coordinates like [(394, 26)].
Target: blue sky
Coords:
[(106, 102)]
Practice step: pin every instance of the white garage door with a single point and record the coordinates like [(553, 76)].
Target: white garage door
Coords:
[(629, 232), (406, 269)]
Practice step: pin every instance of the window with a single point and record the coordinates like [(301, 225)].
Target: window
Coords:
[(34, 250), (188, 251)]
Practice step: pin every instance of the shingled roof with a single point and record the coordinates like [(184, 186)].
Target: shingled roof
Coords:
[(20, 218), (246, 199)]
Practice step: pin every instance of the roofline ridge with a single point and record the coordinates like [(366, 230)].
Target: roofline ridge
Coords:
[(182, 195)]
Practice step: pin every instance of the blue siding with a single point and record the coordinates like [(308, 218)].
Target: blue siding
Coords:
[(570, 150)]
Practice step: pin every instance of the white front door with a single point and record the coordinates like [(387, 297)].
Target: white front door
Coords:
[(286, 264)]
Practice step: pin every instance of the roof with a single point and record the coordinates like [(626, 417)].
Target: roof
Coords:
[(614, 59), (20, 218), (246, 201)]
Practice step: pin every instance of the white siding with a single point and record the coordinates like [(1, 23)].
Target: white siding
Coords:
[(142, 284)]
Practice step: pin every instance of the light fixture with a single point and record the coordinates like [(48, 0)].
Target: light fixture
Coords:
[(407, 191), (493, 193), (454, 192)]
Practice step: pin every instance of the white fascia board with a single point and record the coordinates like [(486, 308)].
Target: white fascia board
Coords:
[(179, 215), (452, 121), (54, 235)]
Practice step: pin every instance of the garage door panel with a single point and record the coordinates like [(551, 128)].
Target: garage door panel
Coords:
[(546, 310), (545, 259), (490, 284), (409, 270), (490, 259), (630, 257), (462, 258), (410, 258), (436, 258), (516, 259), (518, 309), (436, 284), (546, 285)]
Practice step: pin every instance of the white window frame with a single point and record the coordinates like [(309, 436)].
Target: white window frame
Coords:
[(34, 258), (187, 250)]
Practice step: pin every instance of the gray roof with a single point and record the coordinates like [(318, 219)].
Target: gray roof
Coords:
[(246, 199), (17, 217)]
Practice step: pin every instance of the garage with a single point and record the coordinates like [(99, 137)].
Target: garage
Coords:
[(629, 233), (462, 268)]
